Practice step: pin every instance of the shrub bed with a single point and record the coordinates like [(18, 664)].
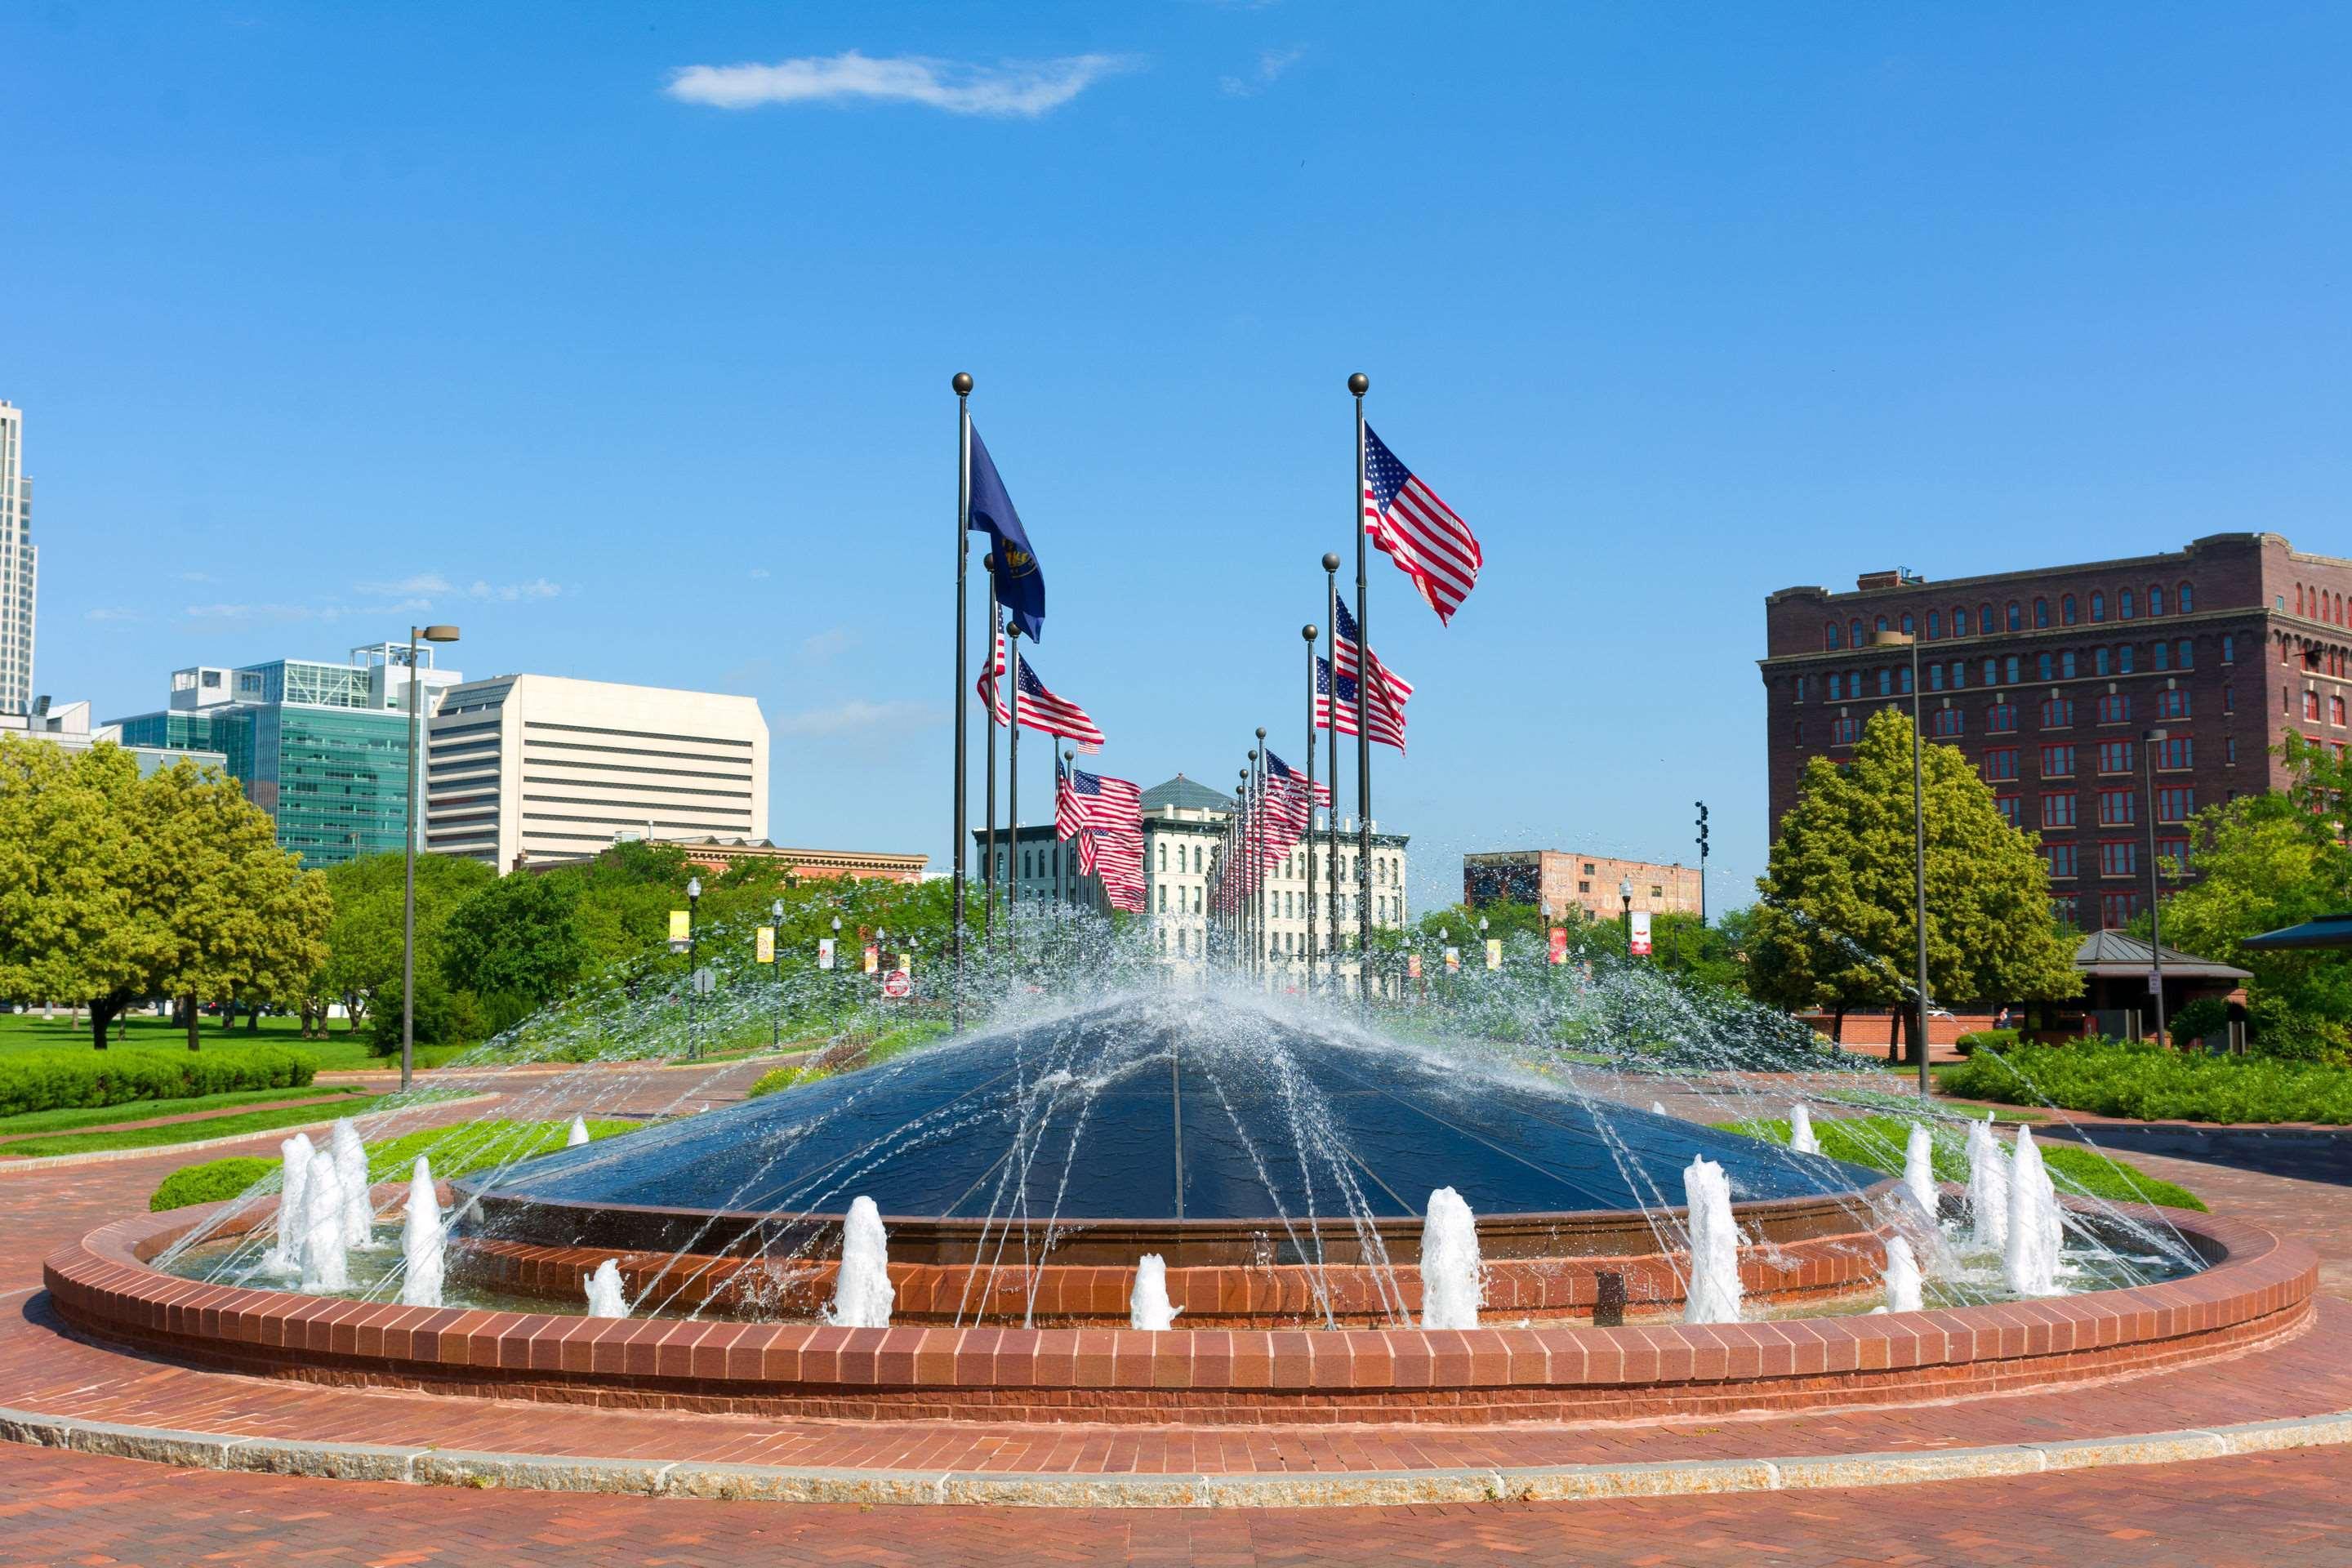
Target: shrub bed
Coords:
[(453, 1150), (2149, 1082), (1877, 1143), (58, 1080)]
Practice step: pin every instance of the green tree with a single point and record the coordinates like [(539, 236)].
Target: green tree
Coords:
[(517, 939), (364, 938), (1834, 926)]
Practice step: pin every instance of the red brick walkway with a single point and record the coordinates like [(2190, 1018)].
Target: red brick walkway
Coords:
[(73, 1509)]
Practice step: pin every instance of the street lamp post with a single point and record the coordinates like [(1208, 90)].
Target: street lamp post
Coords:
[(1543, 948), (408, 876), (2148, 744), (1625, 896), (835, 986), (693, 970), (1919, 844), (1482, 939), (776, 1026)]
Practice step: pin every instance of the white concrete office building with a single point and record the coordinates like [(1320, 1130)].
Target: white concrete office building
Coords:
[(19, 566), (539, 767)]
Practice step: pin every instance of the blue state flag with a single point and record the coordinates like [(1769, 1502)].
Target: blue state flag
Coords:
[(1020, 585)]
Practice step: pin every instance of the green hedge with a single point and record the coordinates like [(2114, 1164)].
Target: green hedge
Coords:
[(2149, 1082), (61, 1080), (1969, 1044), (453, 1150)]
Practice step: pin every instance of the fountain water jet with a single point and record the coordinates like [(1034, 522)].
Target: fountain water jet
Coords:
[(1452, 1277), (325, 1265), (1148, 1305), (605, 1296), (862, 1293), (1713, 1293), (1987, 1187), (1800, 1130), (352, 1177), (1919, 1169), (2029, 1263), (1903, 1287), (421, 1241), (579, 1133), (286, 1255)]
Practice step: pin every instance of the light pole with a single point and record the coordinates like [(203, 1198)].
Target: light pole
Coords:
[(1543, 948), (1482, 939), (693, 971), (835, 987), (408, 876), (2149, 743), (1625, 896), (776, 1027), (1919, 844)]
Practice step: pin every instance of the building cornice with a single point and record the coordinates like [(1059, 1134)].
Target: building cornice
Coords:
[(1816, 593), (2082, 632)]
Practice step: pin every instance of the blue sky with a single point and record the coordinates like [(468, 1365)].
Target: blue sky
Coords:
[(325, 316)]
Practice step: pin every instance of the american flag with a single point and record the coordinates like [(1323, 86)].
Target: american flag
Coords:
[(1118, 861), (1100, 800), (1387, 720), (1067, 820), (1420, 534), (1346, 645), (1040, 709), (1284, 810)]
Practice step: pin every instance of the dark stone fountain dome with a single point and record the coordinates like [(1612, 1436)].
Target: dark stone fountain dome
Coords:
[(1172, 1115)]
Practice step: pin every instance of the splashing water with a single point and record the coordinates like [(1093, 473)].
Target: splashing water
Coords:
[(1919, 1169), (606, 1298), (1146, 1306), (352, 1176), (1987, 1187), (1658, 1108), (1713, 1292), (2030, 1263), (325, 1265), (422, 1256), (579, 1133), (1453, 1276), (862, 1293), (1902, 1286), (1800, 1130), (285, 1255)]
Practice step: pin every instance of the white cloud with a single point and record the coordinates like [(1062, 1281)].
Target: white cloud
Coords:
[(508, 593), (1020, 89), (196, 577), (858, 717), (1271, 64), (821, 648), (422, 583), (112, 613), (257, 612), (758, 571)]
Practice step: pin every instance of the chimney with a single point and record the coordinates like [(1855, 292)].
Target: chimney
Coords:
[(1870, 580)]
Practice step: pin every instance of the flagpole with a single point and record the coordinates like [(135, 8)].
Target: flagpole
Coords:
[(962, 385), (1308, 633), (1061, 853), (988, 861), (1012, 791), (1359, 384), (1331, 743)]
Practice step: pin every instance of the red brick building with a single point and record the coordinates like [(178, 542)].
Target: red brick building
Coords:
[(2049, 679)]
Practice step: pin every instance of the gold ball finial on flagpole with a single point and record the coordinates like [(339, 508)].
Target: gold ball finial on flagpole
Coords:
[(1330, 561), (1310, 631), (963, 383), (1358, 383), (1261, 735)]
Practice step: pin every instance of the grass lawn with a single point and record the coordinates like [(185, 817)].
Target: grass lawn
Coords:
[(187, 1131), (340, 1052), (1877, 1143), (145, 1109)]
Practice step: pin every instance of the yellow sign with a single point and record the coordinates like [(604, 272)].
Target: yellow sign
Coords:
[(906, 964), (1494, 952), (681, 925), (764, 945), (873, 958), (1453, 959)]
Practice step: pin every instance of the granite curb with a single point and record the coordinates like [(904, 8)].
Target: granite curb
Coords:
[(780, 1483)]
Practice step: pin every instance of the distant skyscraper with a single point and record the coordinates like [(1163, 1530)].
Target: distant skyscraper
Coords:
[(19, 565)]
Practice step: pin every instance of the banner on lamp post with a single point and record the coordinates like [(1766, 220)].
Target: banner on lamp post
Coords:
[(1640, 943), (1494, 952), (681, 929), (873, 958), (1412, 965), (1559, 944), (763, 945), (1453, 960), (824, 953)]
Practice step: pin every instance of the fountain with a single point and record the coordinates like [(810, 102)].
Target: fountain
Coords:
[(1987, 1187), (1800, 1130), (1715, 1287), (1148, 1307), (1919, 1169), (1904, 1293), (325, 1265), (352, 1178), (421, 1241), (606, 1298), (286, 1255), (2029, 1263), (1453, 1279), (862, 1294), (579, 1133)]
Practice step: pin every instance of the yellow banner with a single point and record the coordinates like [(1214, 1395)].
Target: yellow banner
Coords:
[(681, 925), (764, 945), (1494, 952)]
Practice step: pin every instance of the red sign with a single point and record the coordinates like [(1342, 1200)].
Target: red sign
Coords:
[(898, 982), (1412, 965), (1559, 944), (1641, 924)]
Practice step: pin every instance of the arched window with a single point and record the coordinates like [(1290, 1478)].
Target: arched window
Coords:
[(2013, 669), (1163, 843), (2123, 606), (1830, 636), (2066, 665), (2098, 607), (2123, 659), (1960, 622), (1935, 625), (2066, 609), (2016, 621), (2298, 598), (2046, 666), (1854, 630), (1196, 860), (1907, 629), (1959, 673), (1985, 623), (2154, 599), (2186, 599), (2041, 614), (1881, 626)]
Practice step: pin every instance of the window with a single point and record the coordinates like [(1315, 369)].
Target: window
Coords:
[(1934, 677), (2066, 665), (2119, 857), (2335, 711), (1845, 731), (2013, 669), (1999, 763), (1584, 887), (2174, 753), (2229, 647), (2016, 621), (1163, 898), (1959, 674), (2172, 704), (2123, 606), (1903, 678), (2185, 599), (2123, 658), (2185, 654), (2066, 609), (1992, 672), (1196, 865), (2057, 811), (2176, 805), (1855, 637), (1946, 724), (2058, 713), (2061, 858), (2230, 754), (2115, 756), (1985, 623), (2311, 706), (1960, 622), (2161, 655), (2155, 600), (2229, 700), (2045, 667), (1933, 625), (2114, 708), (1163, 843), (2171, 856), (1837, 687), (2117, 808), (2117, 909), (1886, 683), (2009, 807), (2057, 762), (2041, 614), (1907, 628), (2098, 607), (2000, 719)]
